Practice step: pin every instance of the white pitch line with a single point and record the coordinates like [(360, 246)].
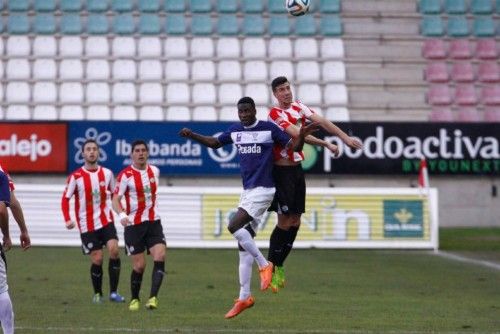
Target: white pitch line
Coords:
[(227, 330), (460, 258)]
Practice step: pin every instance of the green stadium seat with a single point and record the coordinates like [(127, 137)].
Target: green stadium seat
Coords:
[(97, 6), (201, 25), (432, 25), (253, 25), (175, 24), (279, 25), (200, 6), (329, 6), (70, 5), (151, 6), (483, 27), (227, 6), (305, 25), (276, 6), (482, 7), (175, 6), (45, 5), (331, 25), (455, 7), (430, 6), (71, 24), (149, 24), (18, 5), (18, 24), (227, 25), (252, 6), (124, 24), (44, 24), (122, 6), (97, 24), (458, 26)]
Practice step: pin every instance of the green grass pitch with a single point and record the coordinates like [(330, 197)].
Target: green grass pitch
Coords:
[(328, 291)]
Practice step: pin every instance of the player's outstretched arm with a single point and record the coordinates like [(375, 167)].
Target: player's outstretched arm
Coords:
[(305, 131), (335, 130), (208, 141), (17, 212)]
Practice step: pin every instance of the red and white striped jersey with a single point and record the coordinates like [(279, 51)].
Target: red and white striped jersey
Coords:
[(11, 183), (296, 115), (92, 190), (139, 188)]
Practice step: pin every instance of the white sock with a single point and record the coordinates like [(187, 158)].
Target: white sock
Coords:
[(6, 313), (245, 271), (246, 241)]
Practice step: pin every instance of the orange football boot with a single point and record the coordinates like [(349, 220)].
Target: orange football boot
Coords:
[(266, 275), (240, 306)]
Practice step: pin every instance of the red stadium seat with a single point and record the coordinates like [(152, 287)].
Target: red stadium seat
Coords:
[(434, 49), (441, 114), (492, 114), (465, 94), (486, 49), (490, 95), (460, 49), (439, 95), (436, 72), (462, 72), (489, 72), (468, 114)]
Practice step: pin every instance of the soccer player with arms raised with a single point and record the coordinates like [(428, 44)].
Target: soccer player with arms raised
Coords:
[(254, 140), (289, 201), (143, 229), (92, 186)]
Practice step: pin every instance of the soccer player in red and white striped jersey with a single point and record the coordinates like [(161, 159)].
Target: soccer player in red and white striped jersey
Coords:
[(138, 185), (289, 199), (92, 185)]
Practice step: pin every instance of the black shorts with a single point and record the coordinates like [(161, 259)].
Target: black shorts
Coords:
[(97, 239), (143, 236), (290, 196)]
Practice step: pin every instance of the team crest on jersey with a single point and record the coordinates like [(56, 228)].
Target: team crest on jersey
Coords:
[(238, 136), (255, 135)]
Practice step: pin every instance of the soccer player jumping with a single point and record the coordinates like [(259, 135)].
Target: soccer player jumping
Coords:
[(289, 201), (254, 140)]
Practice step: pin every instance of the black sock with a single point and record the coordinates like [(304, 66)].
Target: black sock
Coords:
[(114, 274), (135, 284), (157, 277), (279, 238), (96, 276), (292, 234)]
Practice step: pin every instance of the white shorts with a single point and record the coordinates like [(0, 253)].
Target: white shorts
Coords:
[(255, 202), (3, 276)]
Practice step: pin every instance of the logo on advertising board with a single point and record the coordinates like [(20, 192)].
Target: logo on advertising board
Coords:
[(101, 139), (33, 147), (224, 155), (397, 148), (337, 218), (403, 219)]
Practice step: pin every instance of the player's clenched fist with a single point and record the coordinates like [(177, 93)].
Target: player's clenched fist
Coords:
[(185, 132)]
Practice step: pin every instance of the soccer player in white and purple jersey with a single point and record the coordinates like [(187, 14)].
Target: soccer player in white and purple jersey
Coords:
[(254, 140)]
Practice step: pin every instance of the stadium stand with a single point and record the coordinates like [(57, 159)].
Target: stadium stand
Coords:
[(376, 58)]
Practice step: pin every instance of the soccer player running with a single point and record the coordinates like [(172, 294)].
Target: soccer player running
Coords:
[(7, 198), (289, 201), (254, 140), (143, 229), (92, 186)]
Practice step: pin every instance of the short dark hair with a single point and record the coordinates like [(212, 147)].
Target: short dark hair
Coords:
[(139, 142), (278, 81), (248, 100), (89, 141)]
